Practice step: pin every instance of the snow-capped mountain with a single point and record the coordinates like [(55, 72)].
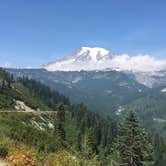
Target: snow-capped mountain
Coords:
[(85, 58), (88, 59)]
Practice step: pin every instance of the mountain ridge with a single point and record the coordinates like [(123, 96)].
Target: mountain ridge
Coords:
[(96, 58)]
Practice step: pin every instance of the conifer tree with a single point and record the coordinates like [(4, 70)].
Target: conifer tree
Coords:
[(133, 145), (89, 144)]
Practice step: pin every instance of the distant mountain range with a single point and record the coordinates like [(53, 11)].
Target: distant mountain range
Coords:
[(103, 81), (143, 68), (88, 59)]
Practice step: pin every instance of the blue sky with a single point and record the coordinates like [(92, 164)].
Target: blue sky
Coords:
[(34, 32)]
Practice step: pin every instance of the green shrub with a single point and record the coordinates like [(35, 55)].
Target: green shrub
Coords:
[(3, 150)]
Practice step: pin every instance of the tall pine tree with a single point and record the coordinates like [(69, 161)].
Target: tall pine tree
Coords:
[(133, 145)]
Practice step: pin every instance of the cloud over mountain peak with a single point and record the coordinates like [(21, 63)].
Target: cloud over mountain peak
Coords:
[(87, 58)]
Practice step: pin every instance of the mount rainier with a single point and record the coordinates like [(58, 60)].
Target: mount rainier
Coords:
[(89, 59)]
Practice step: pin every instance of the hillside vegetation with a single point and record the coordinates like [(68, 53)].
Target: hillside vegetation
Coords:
[(101, 91), (32, 93), (68, 135)]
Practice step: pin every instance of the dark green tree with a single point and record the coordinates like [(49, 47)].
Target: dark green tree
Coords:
[(133, 144), (89, 146)]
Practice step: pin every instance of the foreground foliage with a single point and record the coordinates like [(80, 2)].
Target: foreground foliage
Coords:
[(69, 142)]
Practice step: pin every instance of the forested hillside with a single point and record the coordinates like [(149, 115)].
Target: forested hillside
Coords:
[(63, 134), (151, 110), (100, 91), (31, 92)]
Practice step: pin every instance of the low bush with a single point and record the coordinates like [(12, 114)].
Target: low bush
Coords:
[(3, 150)]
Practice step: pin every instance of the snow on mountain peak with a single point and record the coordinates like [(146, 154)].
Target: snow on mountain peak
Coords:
[(88, 53), (94, 50), (87, 58)]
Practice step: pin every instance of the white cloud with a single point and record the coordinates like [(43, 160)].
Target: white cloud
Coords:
[(144, 63)]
